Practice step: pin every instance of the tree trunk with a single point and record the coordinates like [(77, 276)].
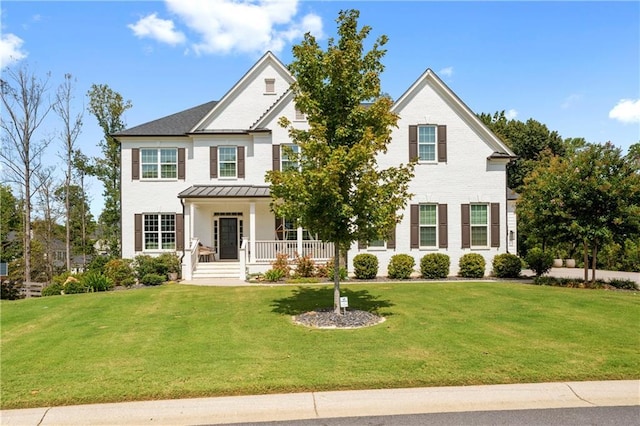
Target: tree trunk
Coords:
[(68, 214), (593, 263), (27, 227), (336, 279), (586, 260)]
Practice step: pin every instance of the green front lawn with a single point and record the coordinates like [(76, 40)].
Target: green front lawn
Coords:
[(179, 341)]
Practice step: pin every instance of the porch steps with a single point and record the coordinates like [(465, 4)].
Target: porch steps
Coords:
[(217, 270)]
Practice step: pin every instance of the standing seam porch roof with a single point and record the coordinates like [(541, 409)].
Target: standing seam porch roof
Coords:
[(225, 191)]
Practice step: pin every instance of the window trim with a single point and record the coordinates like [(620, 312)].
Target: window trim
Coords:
[(284, 158), (220, 162), (434, 143), (486, 226), (160, 232), (158, 164), (435, 227)]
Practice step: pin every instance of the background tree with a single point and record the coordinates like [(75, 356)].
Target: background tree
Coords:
[(338, 192), (10, 225), (24, 108), (81, 223), (71, 127), (591, 197), (108, 107), (48, 232), (83, 167)]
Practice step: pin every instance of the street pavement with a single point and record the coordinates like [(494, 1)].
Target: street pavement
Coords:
[(319, 405)]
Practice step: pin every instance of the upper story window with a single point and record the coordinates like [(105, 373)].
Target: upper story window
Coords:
[(159, 163), (227, 162), (159, 231), (270, 85), (299, 115), (427, 143), (428, 225), (479, 225), (287, 163)]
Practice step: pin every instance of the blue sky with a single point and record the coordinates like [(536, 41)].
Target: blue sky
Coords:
[(574, 66)]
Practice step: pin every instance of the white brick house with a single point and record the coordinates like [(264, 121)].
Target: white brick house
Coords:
[(195, 180)]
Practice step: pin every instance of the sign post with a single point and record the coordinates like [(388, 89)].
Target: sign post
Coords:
[(344, 304)]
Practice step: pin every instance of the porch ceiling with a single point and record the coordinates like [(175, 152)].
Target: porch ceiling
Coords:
[(225, 191)]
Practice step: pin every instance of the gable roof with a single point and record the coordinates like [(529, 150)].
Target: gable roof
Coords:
[(178, 124), (266, 58), (501, 150)]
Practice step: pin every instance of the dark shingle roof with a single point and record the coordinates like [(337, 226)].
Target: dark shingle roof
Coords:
[(176, 124), (224, 191)]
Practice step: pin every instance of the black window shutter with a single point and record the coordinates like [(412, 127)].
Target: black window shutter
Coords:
[(413, 142), (213, 162), (137, 224), (466, 226), (241, 162), (135, 164), (442, 144), (495, 224), (415, 225), (391, 240), (181, 163), (179, 232), (443, 234), (275, 157)]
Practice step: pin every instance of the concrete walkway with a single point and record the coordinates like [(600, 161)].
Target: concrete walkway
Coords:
[(311, 405)]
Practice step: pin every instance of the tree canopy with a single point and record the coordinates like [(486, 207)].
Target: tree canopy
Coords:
[(337, 191)]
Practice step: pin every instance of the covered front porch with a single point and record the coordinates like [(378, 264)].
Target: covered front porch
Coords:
[(235, 226)]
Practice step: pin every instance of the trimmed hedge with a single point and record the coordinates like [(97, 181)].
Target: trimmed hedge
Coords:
[(435, 265), (472, 265), (401, 266), (507, 265), (365, 266)]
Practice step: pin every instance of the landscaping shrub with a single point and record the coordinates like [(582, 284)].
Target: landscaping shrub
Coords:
[(507, 265), (120, 272), (539, 261), (95, 281), (153, 279), (305, 266), (435, 265), (282, 263), (471, 265), (143, 264), (274, 275), (10, 290), (623, 284), (365, 266), (98, 263), (74, 285), (166, 263), (401, 266), (342, 272), (54, 289)]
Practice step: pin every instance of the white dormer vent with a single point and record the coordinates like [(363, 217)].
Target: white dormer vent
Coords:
[(270, 86), (299, 115)]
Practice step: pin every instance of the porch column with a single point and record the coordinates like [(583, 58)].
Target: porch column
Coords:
[(299, 241), (192, 216), (252, 232)]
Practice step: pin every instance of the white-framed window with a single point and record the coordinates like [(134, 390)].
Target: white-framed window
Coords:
[(227, 161), (287, 163), (428, 225), (427, 143), (377, 245), (290, 231), (159, 163), (159, 231), (479, 225), (270, 85)]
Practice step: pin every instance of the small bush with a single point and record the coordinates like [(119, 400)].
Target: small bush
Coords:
[(98, 263), (143, 264), (54, 289), (539, 261), (365, 266), (74, 285), (305, 266), (322, 271), (10, 290), (623, 284), (342, 272), (282, 263), (274, 275), (120, 272), (95, 281), (507, 265), (435, 265), (167, 262), (401, 266), (153, 279), (471, 265)]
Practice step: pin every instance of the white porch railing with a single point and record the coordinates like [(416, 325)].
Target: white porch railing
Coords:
[(266, 251)]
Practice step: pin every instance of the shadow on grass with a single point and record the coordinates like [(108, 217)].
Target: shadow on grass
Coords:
[(306, 299)]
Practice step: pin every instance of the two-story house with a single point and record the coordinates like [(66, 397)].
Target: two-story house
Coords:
[(193, 182)]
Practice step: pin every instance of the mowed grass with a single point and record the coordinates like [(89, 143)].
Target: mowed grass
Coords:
[(178, 341)]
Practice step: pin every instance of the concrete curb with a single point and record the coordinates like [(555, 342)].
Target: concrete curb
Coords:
[(309, 405)]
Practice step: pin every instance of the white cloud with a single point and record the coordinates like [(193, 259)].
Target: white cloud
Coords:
[(511, 114), (571, 100), (11, 49), (158, 29), (626, 111), (446, 72), (244, 26)]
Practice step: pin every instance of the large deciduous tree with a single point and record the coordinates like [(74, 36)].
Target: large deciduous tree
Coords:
[(25, 107), (589, 197), (108, 106), (338, 191)]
